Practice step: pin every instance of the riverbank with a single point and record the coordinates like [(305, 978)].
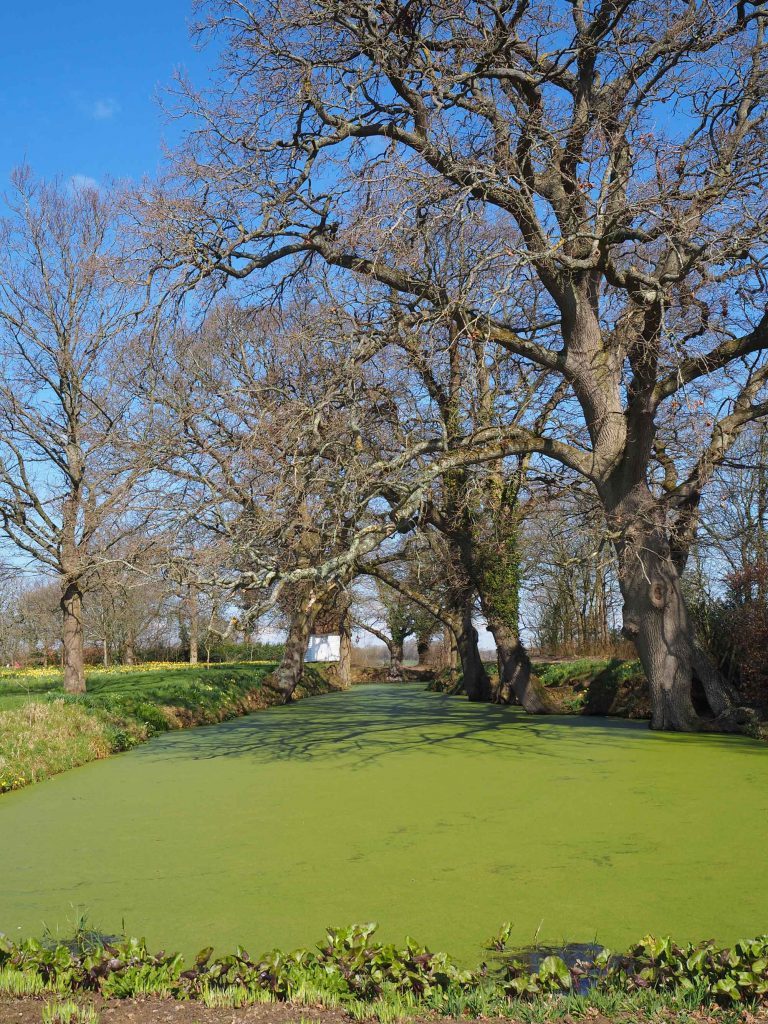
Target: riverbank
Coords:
[(44, 731), (594, 687), (349, 976)]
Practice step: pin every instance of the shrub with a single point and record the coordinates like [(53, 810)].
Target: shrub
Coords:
[(735, 631)]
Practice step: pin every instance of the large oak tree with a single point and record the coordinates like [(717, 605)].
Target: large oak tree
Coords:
[(621, 143)]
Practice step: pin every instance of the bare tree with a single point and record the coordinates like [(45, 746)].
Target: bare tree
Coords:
[(391, 618), (735, 511), (279, 448), (65, 313), (569, 570), (129, 596)]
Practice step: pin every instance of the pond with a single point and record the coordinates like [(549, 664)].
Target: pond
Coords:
[(436, 818)]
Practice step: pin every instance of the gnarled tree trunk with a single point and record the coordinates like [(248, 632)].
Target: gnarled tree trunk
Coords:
[(340, 672), (72, 637), (477, 685), (395, 671), (289, 672), (655, 617)]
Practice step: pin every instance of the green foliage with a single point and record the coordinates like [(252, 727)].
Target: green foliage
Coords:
[(69, 1013), (14, 982), (597, 686), (553, 975), (499, 564), (347, 965), (737, 974), (242, 652), (447, 680), (349, 969), (557, 673)]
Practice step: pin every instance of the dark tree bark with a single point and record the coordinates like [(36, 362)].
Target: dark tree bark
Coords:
[(517, 684), (655, 616), (395, 671), (289, 672), (422, 649), (477, 685), (72, 637)]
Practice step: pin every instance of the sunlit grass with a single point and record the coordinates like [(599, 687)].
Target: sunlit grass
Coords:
[(44, 731), (69, 1012), (39, 740)]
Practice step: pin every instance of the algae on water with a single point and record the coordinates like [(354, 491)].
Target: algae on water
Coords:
[(436, 817)]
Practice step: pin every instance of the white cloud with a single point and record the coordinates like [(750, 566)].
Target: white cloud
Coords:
[(83, 183), (103, 109)]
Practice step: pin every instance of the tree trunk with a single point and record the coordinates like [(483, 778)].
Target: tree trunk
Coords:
[(130, 650), (449, 650), (194, 625), (395, 672), (289, 672), (422, 649), (656, 618), (341, 673), (105, 653), (516, 681), (477, 685), (72, 638), (331, 615), (344, 671)]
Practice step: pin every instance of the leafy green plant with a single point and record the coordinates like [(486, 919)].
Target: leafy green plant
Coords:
[(349, 969), (728, 975)]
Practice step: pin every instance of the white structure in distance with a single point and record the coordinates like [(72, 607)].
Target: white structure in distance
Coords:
[(324, 647)]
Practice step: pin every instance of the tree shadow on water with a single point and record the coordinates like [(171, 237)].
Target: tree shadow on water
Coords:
[(372, 722)]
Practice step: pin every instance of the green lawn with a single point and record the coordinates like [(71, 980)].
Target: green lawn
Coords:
[(438, 818), (160, 682)]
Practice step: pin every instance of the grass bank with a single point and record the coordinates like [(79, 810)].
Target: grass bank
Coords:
[(44, 731), (578, 686), (596, 686)]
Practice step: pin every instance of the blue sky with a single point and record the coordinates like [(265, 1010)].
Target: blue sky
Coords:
[(79, 80)]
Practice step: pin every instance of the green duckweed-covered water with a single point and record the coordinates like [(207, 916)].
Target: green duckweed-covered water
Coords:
[(437, 818)]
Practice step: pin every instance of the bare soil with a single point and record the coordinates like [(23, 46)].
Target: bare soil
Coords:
[(168, 1011)]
